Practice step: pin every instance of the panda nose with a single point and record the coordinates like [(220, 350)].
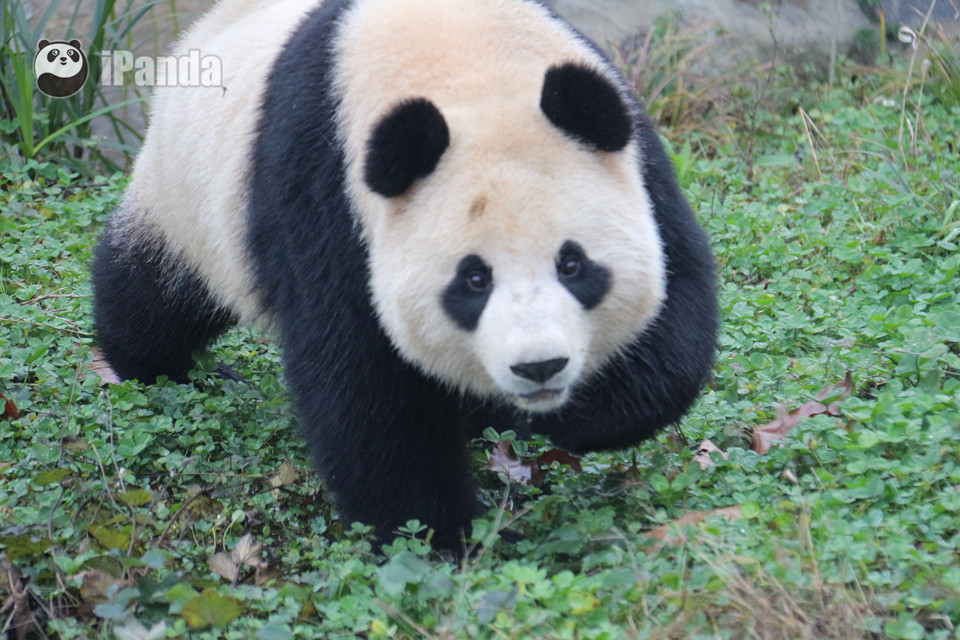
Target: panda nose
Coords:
[(540, 371)]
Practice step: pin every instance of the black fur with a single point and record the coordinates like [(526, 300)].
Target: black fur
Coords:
[(465, 303), (151, 313), (387, 440), (585, 105), (591, 282), (405, 145)]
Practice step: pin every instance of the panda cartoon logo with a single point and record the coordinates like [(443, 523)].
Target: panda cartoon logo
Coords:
[(60, 67)]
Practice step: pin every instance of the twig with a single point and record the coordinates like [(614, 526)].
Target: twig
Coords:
[(177, 515), (50, 326), (54, 294), (914, 37), (804, 117)]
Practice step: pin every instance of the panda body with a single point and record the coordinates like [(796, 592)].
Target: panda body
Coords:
[(454, 215)]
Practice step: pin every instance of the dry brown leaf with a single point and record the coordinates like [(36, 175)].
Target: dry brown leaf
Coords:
[(504, 460), (223, 565), (265, 574), (286, 474), (767, 435), (102, 368), (247, 552), (556, 455), (671, 533), (9, 410), (97, 584), (704, 449)]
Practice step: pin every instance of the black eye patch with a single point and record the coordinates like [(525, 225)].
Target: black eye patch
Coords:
[(466, 296), (586, 280)]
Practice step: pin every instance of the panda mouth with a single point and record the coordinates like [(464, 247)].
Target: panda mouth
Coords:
[(541, 400), (542, 395)]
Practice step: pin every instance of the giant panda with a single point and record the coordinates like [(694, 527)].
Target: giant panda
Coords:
[(454, 215)]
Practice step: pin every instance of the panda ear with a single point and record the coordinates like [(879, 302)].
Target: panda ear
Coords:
[(42, 44), (75, 44), (406, 144), (586, 106)]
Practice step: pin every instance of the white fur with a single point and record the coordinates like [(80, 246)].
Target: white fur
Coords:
[(188, 181), (510, 188)]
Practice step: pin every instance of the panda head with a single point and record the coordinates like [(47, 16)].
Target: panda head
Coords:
[(60, 67), (514, 251)]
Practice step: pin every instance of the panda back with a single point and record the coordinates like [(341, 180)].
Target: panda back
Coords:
[(190, 179)]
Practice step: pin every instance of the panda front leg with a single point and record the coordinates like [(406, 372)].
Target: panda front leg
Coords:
[(151, 311), (387, 441)]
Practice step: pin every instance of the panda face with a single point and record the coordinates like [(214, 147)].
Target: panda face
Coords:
[(512, 246), (519, 283), (62, 59)]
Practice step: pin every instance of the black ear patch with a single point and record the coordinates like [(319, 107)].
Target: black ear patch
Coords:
[(586, 106), (406, 144)]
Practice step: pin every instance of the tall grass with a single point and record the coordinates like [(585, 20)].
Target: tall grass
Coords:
[(667, 71)]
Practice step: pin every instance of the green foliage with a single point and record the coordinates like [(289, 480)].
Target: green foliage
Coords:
[(945, 58), (839, 253)]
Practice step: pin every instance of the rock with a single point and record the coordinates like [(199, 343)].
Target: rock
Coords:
[(799, 30)]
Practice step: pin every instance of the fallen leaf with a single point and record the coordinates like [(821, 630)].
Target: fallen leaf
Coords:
[(247, 552), (504, 460), (97, 584), (556, 455), (767, 435), (102, 368), (265, 574), (671, 534), (223, 565), (704, 449), (10, 411), (286, 474)]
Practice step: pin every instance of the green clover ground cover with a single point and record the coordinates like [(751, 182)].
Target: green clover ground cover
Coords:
[(124, 509)]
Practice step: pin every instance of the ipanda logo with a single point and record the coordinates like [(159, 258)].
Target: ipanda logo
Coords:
[(60, 67), (189, 70)]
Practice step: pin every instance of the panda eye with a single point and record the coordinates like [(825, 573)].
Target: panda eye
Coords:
[(478, 281), (569, 266), (73, 55), (53, 54)]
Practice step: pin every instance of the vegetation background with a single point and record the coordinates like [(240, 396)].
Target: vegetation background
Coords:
[(135, 512)]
